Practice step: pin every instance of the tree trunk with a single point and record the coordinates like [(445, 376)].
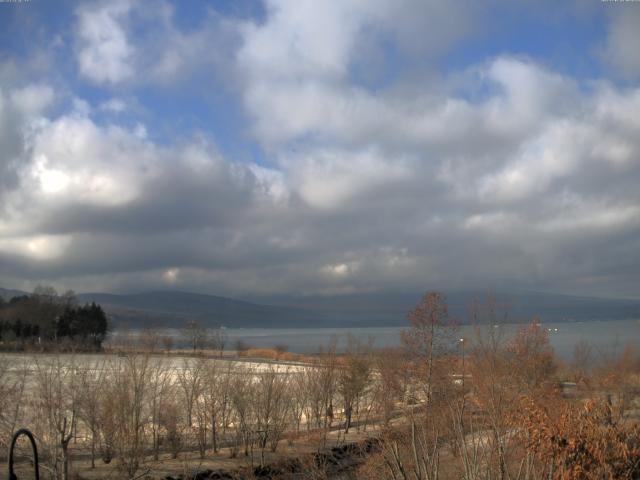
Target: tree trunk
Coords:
[(347, 417), (93, 448), (156, 443), (430, 366), (214, 435), (65, 459)]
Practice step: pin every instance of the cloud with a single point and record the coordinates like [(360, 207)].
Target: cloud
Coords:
[(376, 168), (298, 65), (38, 247), (32, 99), (620, 47), (170, 276), (128, 44), (103, 48), (113, 105), (332, 179), (339, 215), (83, 188), (20, 111)]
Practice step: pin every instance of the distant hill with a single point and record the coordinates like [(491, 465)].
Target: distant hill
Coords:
[(8, 294), (174, 308), (392, 309)]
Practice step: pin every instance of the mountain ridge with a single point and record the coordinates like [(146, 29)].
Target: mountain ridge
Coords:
[(172, 308)]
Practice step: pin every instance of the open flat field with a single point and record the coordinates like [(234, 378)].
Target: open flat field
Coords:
[(159, 414)]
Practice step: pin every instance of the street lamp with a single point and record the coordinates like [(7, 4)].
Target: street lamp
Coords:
[(462, 345), (461, 340)]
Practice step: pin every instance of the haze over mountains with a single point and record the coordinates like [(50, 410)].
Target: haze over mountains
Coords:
[(173, 308)]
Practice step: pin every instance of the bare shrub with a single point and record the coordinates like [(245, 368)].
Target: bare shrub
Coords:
[(272, 403), (159, 386), (354, 377), (56, 405), (430, 335), (579, 442), (129, 382), (241, 392), (172, 422), (91, 390), (12, 389)]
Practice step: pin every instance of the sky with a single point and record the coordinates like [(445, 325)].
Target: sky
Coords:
[(304, 147)]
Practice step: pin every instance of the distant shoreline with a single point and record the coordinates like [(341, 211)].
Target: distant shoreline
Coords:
[(603, 335)]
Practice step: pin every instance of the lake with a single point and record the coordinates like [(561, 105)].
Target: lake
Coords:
[(605, 337)]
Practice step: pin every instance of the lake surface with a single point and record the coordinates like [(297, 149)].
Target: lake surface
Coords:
[(605, 337)]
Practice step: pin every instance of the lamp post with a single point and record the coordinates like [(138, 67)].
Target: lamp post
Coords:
[(462, 346), (461, 340)]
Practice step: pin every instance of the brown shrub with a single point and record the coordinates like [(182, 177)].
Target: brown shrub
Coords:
[(579, 441)]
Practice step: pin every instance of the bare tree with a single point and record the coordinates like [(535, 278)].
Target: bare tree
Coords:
[(241, 347), (12, 388), (130, 380), (91, 389), (354, 377), (172, 421), (241, 394), (189, 379), (201, 406), (148, 340), (167, 343), (300, 398), (108, 418), (195, 335), (321, 379), (56, 401), (581, 362), (412, 454), (224, 390), (218, 340), (430, 334), (158, 387), (216, 400), (490, 371), (322, 382), (392, 382), (271, 405)]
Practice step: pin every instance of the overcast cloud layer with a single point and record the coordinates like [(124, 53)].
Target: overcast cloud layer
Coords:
[(305, 147)]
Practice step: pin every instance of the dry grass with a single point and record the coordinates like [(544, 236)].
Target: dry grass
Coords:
[(274, 354)]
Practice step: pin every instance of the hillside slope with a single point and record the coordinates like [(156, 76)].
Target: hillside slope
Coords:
[(174, 308)]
